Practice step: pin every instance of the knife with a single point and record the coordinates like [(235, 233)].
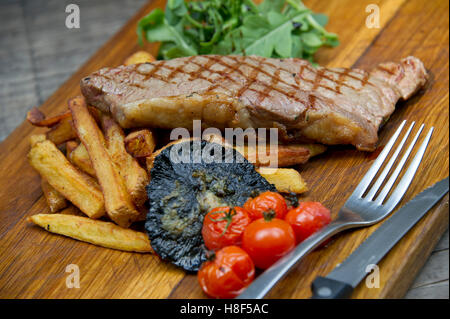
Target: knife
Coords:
[(346, 276)]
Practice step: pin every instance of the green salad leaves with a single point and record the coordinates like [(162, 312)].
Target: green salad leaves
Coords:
[(274, 28)]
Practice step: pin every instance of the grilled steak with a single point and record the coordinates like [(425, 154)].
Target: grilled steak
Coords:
[(330, 106)]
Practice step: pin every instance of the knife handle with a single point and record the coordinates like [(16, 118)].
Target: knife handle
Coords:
[(326, 288)]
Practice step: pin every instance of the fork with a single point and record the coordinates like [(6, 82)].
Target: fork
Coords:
[(361, 208)]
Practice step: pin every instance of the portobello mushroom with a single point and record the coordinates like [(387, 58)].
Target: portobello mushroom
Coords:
[(188, 179)]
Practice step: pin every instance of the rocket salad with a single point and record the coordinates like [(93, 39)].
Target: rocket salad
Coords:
[(274, 28)]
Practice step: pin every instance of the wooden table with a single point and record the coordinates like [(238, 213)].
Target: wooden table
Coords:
[(33, 262)]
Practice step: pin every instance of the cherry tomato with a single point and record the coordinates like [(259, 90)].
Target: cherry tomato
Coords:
[(267, 239), (307, 218), (223, 226), (228, 274), (264, 203)]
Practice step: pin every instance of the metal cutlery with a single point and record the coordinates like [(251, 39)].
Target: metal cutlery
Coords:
[(363, 208), (345, 277)]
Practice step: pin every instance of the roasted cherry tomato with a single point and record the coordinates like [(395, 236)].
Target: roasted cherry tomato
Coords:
[(228, 274), (265, 203), (307, 218), (223, 226), (267, 239)]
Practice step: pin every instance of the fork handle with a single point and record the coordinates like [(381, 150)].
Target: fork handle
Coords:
[(261, 285)]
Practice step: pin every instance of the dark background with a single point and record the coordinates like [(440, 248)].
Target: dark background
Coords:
[(38, 53)]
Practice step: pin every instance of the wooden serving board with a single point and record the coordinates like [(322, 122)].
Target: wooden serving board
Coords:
[(33, 262)]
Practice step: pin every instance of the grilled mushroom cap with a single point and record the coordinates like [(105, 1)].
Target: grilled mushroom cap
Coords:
[(183, 190)]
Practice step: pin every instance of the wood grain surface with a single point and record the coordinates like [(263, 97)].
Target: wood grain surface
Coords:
[(33, 262)]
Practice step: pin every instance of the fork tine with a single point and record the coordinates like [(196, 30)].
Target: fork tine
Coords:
[(398, 169), (404, 183), (389, 165), (365, 181)]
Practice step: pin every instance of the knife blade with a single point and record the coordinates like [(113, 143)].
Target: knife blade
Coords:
[(346, 276)]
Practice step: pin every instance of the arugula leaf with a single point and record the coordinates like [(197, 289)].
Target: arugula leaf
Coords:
[(297, 46), (264, 35), (320, 18), (311, 39), (157, 29), (271, 5), (274, 28), (175, 11)]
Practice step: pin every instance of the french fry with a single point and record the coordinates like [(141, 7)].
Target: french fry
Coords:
[(70, 147), (55, 200), (61, 127), (118, 202), (80, 158), (37, 118), (287, 155), (149, 163), (218, 139), (77, 187), (140, 143), (36, 138), (62, 131), (135, 176), (142, 213), (72, 210), (139, 57), (286, 180), (315, 149), (92, 231)]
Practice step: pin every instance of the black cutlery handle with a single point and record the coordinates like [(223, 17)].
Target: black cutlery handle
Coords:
[(326, 288)]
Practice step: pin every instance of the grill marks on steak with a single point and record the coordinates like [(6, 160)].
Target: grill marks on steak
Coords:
[(331, 106)]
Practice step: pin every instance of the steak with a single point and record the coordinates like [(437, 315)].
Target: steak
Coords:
[(308, 104)]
